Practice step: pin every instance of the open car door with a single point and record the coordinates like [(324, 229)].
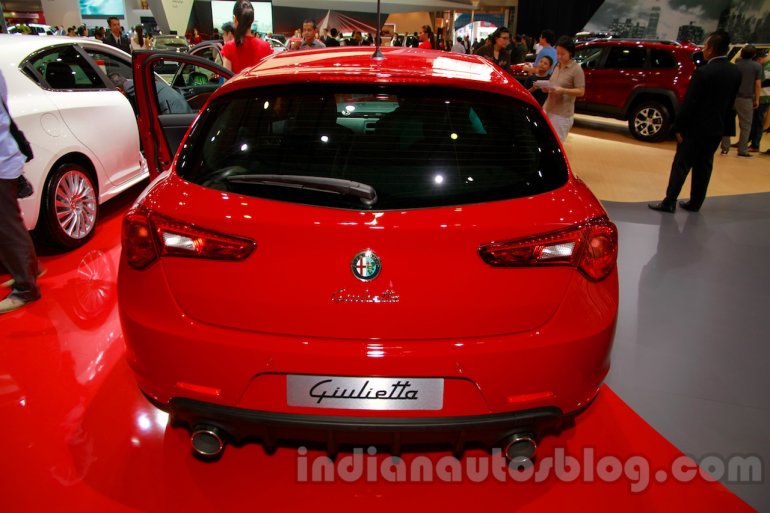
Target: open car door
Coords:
[(170, 89)]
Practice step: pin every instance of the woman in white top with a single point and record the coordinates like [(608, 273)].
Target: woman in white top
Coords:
[(139, 41)]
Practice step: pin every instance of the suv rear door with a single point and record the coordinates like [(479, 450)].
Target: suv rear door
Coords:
[(611, 83)]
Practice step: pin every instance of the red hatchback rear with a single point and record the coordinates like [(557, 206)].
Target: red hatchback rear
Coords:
[(369, 251)]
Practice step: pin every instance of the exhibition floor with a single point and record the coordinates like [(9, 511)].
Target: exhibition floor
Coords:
[(689, 375)]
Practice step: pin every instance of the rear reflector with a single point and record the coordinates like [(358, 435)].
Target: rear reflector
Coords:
[(146, 237), (591, 246)]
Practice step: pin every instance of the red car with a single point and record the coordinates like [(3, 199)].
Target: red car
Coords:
[(642, 82), (350, 250)]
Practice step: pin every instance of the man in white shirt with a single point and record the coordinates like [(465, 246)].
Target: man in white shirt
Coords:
[(458, 47)]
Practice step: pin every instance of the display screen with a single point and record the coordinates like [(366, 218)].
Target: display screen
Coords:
[(102, 8), (222, 12)]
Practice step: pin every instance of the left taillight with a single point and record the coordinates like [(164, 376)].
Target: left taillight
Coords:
[(146, 237), (137, 239), (592, 247)]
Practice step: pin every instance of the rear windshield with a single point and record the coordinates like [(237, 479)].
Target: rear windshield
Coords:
[(407, 147)]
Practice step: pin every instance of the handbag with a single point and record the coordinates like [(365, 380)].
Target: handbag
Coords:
[(23, 187), (24, 147)]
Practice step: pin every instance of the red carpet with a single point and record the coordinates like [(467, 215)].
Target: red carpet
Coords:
[(82, 438)]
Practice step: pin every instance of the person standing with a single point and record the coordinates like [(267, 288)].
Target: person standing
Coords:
[(700, 124), (497, 52), (427, 40), (567, 82), (244, 50), (547, 38), (747, 100), (139, 41), (115, 36), (519, 52), (544, 73), (228, 32), (309, 36), (331, 39), (458, 47), (17, 253), (757, 124)]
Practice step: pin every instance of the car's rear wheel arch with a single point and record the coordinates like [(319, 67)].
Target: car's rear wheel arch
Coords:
[(658, 106), (79, 166), (645, 95)]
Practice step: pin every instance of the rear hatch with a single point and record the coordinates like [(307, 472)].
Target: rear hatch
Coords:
[(418, 178), (300, 280)]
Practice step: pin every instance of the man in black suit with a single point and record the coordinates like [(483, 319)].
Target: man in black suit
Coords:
[(115, 36), (330, 38), (701, 122)]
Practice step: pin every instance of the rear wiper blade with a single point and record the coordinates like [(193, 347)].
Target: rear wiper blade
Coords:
[(364, 192)]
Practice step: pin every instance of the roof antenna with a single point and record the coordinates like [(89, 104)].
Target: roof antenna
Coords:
[(377, 55)]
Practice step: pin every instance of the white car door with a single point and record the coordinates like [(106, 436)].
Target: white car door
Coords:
[(99, 116)]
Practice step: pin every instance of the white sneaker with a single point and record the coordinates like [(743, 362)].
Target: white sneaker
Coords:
[(12, 303)]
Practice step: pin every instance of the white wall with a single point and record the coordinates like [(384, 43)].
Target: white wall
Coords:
[(65, 13), (171, 14), (409, 22)]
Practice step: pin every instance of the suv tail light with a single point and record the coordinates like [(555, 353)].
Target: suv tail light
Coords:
[(591, 246), (146, 237)]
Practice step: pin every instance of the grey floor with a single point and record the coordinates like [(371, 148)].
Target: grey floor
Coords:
[(692, 350)]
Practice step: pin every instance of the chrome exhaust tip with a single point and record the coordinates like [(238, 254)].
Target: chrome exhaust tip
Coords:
[(520, 447), (207, 440)]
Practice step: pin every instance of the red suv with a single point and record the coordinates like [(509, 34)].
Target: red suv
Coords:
[(643, 82)]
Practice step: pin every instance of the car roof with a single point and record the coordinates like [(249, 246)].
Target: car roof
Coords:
[(649, 43), (399, 66), (19, 47), (667, 42)]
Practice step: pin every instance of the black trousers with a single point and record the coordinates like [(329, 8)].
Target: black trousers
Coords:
[(17, 253), (696, 153)]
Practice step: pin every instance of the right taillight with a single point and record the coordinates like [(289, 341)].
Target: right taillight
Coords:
[(146, 237), (591, 246)]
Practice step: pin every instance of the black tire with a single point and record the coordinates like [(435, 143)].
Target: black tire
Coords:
[(650, 121), (69, 206)]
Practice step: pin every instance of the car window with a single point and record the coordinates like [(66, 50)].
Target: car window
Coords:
[(417, 147), (64, 68), (590, 57), (211, 53), (193, 75), (626, 57), (662, 59), (111, 65)]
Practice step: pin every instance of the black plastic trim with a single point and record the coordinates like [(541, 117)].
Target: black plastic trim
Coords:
[(240, 425)]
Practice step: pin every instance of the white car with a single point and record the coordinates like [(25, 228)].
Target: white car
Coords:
[(81, 127), (35, 29)]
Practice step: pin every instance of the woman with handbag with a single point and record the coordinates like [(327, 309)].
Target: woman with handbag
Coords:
[(17, 253)]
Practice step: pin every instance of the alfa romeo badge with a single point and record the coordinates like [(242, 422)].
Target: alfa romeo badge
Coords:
[(366, 265)]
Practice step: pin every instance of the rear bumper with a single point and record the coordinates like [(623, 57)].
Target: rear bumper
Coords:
[(332, 432), (202, 372)]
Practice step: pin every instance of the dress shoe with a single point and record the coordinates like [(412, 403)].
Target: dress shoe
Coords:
[(13, 302), (746, 155), (688, 206), (724, 152), (753, 149), (663, 207)]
